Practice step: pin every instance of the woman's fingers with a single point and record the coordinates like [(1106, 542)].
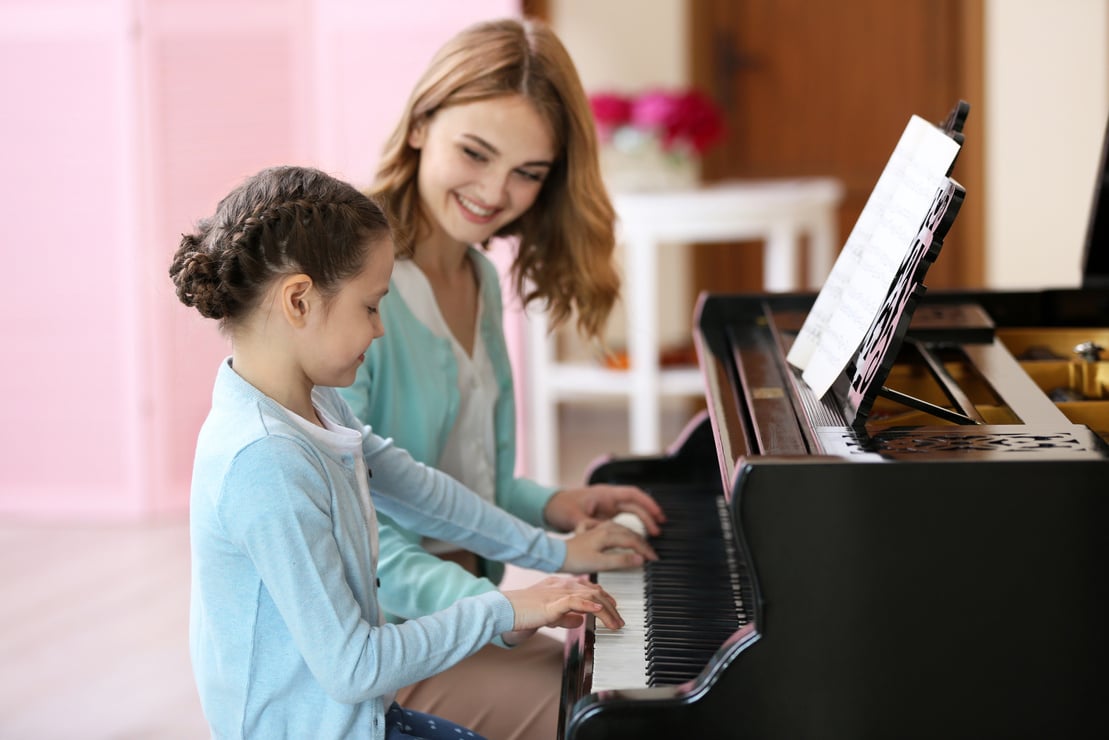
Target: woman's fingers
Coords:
[(633, 500)]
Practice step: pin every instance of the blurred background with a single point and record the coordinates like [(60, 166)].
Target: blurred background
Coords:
[(123, 121)]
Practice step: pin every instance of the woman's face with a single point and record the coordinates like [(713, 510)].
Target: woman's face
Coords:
[(482, 165)]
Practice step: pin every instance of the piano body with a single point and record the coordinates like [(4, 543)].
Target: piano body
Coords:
[(926, 562)]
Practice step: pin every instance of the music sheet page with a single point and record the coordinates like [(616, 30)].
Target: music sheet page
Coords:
[(865, 269)]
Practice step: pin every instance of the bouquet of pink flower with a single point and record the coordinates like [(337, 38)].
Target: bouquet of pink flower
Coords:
[(680, 120)]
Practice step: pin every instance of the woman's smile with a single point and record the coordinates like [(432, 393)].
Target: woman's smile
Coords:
[(474, 211)]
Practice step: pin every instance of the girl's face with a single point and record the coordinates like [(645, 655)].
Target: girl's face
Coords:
[(347, 324), (482, 165)]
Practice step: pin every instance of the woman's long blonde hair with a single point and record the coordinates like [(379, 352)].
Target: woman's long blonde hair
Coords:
[(567, 237)]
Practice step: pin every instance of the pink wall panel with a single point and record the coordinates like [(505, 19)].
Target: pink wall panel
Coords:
[(368, 55), (221, 109), (67, 435), (124, 121)]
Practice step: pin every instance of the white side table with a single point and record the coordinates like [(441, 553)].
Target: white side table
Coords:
[(775, 212)]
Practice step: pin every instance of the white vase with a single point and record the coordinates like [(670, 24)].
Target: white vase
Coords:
[(640, 164)]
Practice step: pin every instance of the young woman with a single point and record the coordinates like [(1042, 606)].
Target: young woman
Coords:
[(497, 140), (286, 633)]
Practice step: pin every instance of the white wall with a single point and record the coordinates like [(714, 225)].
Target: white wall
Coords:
[(1047, 94), (625, 44)]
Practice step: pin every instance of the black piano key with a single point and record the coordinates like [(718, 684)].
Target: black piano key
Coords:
[(676, 654), (688, 667), (672, 636), (693, 592)]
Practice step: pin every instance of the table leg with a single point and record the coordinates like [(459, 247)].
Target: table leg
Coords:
[(543, 402), (641, 291), (780, 259)]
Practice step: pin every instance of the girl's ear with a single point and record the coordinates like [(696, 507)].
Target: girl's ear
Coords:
[(417, 135), (294, 294)]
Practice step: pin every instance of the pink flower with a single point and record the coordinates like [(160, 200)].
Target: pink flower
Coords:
[(685, 119), (653, 110), (695, 120), (610, 111)]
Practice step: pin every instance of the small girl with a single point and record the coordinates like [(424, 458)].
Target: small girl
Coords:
[(286, 635)]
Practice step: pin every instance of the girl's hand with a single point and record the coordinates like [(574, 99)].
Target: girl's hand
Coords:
[(559, 601), (605, 546), (571, 508)]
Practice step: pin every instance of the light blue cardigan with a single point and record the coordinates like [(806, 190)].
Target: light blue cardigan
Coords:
[(284, 617), (408, 388)]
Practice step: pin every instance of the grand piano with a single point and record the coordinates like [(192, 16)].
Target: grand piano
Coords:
[(918, 552)]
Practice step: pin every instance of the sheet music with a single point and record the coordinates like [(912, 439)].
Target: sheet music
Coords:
[(865, 269)]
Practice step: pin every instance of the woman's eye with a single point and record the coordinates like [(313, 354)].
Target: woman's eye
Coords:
[(371, 310), (532, 176), (474, 154)]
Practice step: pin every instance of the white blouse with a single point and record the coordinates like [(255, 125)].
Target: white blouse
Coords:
[(468, 455), (340, 440)]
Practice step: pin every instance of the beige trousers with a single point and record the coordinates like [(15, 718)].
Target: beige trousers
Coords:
[(499, 693)]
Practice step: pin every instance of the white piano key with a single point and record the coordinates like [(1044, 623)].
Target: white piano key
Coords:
[(619, 656), (632, 522)]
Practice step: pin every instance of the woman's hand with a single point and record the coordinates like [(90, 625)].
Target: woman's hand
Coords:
[(605, 546), (559, 601), (572, 508)]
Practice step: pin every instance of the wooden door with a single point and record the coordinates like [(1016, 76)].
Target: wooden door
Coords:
[(812, 87)]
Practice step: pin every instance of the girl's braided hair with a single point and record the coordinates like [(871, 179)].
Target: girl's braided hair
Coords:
[(282, 221)]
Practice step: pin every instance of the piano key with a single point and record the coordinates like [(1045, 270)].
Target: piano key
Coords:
[(619, 659), (678, 610)]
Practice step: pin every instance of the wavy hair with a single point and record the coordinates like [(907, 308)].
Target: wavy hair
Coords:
[(566, 239)]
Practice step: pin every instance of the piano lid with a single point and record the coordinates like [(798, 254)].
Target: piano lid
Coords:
[(1095, 263)]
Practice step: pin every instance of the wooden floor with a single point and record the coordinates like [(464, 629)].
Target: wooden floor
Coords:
[(94, 619), (94, 633)]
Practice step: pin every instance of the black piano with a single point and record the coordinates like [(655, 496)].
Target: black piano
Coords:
[(921, 552)]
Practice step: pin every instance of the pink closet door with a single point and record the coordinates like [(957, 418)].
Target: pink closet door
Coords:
[(123, 122)]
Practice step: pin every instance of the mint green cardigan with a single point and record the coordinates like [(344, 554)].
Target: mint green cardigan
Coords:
[(407, 389)]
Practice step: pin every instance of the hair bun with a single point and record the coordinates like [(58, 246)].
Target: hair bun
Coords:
[(196, 276)]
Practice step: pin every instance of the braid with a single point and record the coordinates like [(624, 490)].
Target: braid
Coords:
[(279, 222)]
